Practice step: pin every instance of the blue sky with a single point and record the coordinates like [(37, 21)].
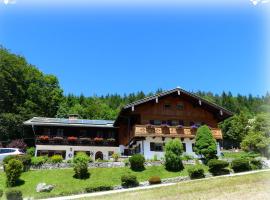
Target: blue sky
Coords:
[(120, 50)]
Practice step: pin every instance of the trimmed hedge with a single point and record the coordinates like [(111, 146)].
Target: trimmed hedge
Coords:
[(218, 167), (56, 159), (196, 172), (240, 165), (154, 180), (38, 161), (13, 171), (98, 188), (80, 164), (129, 180), (137, 162), (25, 159), (14, 194)]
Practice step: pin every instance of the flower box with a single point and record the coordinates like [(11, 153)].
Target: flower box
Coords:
[(72, 139), (85, 139), (111, 140), (98, 139), (44, 138), (58, 138), (179, 127)]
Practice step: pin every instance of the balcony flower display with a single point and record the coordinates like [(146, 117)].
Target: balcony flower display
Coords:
[(179, 127), (164, 126), (58, 138), (149, 126), (44, 138), (85, 139), (111, 140), (72, 139), (194, 127), (98, 139)]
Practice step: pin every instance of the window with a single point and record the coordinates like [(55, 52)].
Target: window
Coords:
[(169, 122), (191, 123), (83, 132), (175, 123), (151, 122), (110, 153), (157, 122), (47, 131), (167, 106), (156, 146), (193, 145), (180, 106), (60, 132), (181, 122)]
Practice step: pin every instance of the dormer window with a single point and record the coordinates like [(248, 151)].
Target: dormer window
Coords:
[(167, 106)]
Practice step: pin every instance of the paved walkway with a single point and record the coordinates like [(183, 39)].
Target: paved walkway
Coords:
[(78, 196)]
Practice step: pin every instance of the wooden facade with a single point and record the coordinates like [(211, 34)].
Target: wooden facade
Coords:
[(174, 108)]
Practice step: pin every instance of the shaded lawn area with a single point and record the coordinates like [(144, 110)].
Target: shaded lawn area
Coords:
[(65, 183), (247, 187)]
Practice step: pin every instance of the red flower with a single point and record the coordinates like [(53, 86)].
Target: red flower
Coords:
[(44, 137), (72, 139), (98, 139)]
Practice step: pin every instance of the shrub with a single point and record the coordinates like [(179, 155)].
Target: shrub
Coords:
[(173, 151), (25, 159), (13, 171), (80, 162), (205, 143), (13, 194), (115, 157), (56, 159), (1, 193), (240, 165), (19, 143), (196, 172), (31, 151), (187, 157), (37, 161), (217, 167), (137, 162), (129, 181), (98, 188), (256, 164), (154, 180)]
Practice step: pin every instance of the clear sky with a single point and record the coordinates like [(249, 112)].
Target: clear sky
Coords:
[(119, 49)]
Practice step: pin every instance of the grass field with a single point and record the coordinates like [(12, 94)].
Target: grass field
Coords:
[(65, 183), (248, 187)]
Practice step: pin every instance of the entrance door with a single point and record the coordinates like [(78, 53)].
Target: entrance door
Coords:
[(99, 155)]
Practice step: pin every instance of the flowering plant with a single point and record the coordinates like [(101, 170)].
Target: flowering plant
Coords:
[(57, 138), (72, 139), (98, 139), (44, 137), (179, 127), (164, 126), (193, 127), (111, 140)]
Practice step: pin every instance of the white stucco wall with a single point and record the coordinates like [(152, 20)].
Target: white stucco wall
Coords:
[(71, 149)]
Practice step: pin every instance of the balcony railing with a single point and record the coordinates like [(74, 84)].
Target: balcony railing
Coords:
[(170, 131), (74, 141)]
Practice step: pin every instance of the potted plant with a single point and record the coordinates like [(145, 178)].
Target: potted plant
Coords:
[(72, 139), (193, 129), (44, 138), (179, 127), (57, 138), (165, 128), (111, 140), (98, 139)]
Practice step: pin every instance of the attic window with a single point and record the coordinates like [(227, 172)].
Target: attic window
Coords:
[(180, 106), (167, 106)]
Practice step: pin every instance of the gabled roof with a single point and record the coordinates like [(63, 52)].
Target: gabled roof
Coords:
[(223, 111), (43, 121)]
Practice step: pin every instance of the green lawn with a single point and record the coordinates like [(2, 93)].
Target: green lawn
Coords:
[(248, 187), (66, 184), (233, 155)]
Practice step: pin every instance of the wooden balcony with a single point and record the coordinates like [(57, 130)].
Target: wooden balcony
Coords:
[(170, 131)]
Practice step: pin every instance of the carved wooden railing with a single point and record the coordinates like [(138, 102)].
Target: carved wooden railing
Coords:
[(170, 131)]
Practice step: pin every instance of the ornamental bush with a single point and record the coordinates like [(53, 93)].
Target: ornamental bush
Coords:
[(31, 151), (129, 180), (137, 162), (196, 172), (115, 157), (13, 171), (205, 143), (37, 161), (25, 159), (256, 164), (218, 167), (173, 151), (240, 165), (80, 165), (56, 159), (98, 188), (1, 193), (14, 194), (154, 180)]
